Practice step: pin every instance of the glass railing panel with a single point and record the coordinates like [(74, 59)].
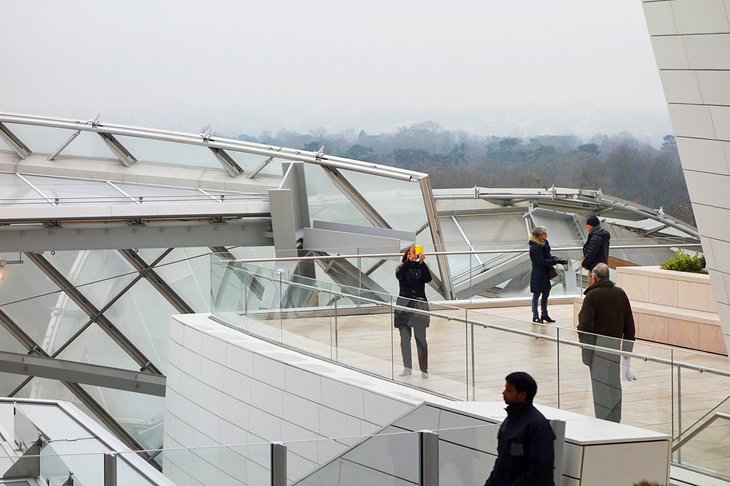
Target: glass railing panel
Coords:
[(389, 458), (463, 456), (25, 432), (499, 352), (707, 450), (227, 297), (76, 460)]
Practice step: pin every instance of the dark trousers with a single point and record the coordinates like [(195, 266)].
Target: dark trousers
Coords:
[(543, 303), (606, 381), (421, 346)]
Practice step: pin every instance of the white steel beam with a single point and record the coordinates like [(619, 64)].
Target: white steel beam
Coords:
[(124, 155), (217, 142), (83, 373), (14, 142)]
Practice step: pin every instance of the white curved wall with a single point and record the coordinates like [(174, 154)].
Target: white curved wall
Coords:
[(691, 41)]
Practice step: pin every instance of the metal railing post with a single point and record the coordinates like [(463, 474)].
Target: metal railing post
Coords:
[(278, 464), (110, 470), (428, 458)]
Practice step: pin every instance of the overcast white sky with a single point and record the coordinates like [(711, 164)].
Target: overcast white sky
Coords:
[(491, 67)]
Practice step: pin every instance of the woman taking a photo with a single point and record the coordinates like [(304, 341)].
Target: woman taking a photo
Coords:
[(542, 263), (413, 275)]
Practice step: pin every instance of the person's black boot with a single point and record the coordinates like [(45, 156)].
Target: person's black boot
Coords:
[(537, 320), (546, 318)]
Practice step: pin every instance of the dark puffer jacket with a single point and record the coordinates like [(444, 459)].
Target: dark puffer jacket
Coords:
[(542, 262), (595, 250), (525, 454), (412, 279)]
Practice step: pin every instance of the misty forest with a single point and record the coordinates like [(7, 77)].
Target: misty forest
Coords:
[(619, 165)]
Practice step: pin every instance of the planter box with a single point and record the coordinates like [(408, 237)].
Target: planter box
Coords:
[(670, 307)]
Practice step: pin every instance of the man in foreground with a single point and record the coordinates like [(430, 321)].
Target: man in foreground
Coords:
[(525, 453), (606, 320)]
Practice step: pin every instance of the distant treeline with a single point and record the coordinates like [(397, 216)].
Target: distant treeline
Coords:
[(619, 165)]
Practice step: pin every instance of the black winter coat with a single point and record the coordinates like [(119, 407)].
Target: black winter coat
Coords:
[(595, 250), (606, 310), (542, 262), (525, 454), (412, 279)]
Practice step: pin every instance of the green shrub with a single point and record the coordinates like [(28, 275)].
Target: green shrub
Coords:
[(682, 262)]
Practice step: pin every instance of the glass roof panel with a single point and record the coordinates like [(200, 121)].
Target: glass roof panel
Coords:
[(46, 140), (140, 315), (400, 203), (187, 271), (94, 346), (141, 415), (136, 190), (498, 230), (12, 187), (43, 140), (98, 274), (250, 162), (169, 153), (326, 202), (28, 296), (75, 188)]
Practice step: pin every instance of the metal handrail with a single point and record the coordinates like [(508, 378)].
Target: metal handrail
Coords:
[(458, 252), (707, 423)]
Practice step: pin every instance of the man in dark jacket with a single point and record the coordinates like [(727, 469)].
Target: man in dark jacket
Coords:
[(605, 320), (595, 250), (525, 454)]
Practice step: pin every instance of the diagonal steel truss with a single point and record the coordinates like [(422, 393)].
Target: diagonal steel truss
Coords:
[(144, 270)]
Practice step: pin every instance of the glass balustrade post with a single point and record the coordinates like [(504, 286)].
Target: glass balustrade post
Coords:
[(359, 278), (679, 410), (473, 357), (337, 343), (467, 347), (671, 385), (278, 464), (110, 470), (557, 363), (392, 340), (428, 458), (281, 306)]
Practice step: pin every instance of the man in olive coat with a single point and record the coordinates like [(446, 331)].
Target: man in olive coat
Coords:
[(605, 320)]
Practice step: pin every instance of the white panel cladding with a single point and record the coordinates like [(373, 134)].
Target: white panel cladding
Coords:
[(720, 284), (669, 52), (659, 18), (700, 16), (221, 392), (703, 155), (714, 87), (711, 219), (708, 189), (721, 121), (692, 121), (724, 311), (681, 86), (720, 247), (708, 52), (711, 51)]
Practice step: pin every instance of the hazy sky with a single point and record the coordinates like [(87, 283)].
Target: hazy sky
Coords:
[(490, 67)]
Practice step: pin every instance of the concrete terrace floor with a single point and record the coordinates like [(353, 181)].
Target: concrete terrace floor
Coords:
[(662, 399)]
